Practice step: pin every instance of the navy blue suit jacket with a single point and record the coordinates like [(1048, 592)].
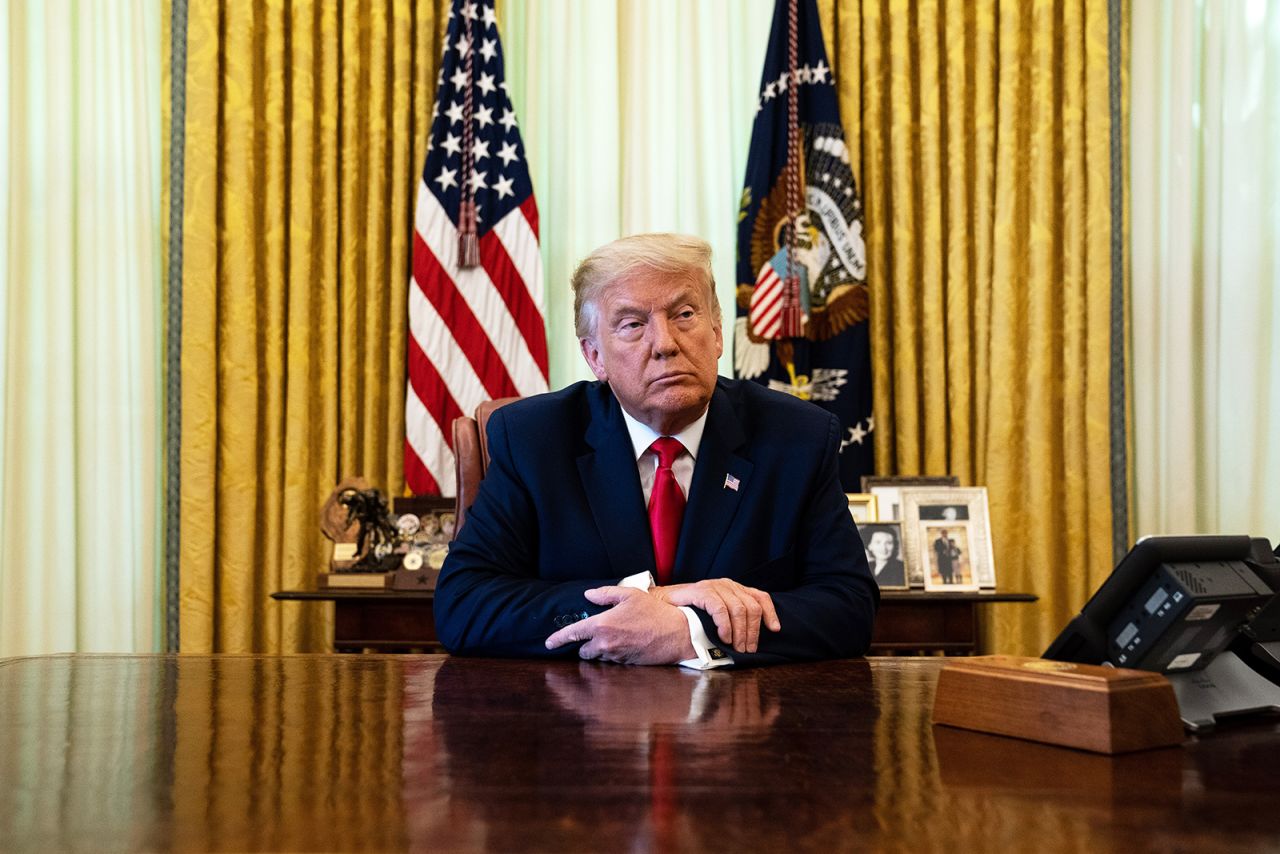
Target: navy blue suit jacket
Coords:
[(561, 510)]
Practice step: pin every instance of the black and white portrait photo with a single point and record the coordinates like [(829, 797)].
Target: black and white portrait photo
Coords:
[(883, 542)]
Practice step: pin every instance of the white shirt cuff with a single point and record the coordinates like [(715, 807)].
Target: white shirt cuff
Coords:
[(640, 581), (709, 655)]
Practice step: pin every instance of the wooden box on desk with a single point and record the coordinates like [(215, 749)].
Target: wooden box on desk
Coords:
[(1102, 709)]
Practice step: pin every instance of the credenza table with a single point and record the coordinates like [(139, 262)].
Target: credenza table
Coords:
[(910, 622), (431, 753)]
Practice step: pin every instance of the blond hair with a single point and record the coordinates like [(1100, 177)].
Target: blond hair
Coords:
[(674, 255)]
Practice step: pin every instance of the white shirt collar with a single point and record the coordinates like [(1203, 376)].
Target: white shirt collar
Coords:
[(642, 435)]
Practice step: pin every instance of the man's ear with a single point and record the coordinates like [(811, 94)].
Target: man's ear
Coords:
[(591, 352), (719, 341)]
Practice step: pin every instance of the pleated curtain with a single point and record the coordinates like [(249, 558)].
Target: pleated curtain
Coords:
[(981, 133), (304, 129)]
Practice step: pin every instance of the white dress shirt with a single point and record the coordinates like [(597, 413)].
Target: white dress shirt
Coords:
[(642, 436)]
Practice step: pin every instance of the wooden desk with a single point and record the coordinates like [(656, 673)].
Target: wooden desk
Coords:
[(252, 753), (908, 622)]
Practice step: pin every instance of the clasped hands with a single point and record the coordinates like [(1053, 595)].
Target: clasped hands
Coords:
[(648, 627)]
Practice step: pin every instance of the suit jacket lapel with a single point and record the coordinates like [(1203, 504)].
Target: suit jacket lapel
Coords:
[(712, 502), (612, 483)]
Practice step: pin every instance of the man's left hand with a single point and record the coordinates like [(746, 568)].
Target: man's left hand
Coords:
[(638, 629)]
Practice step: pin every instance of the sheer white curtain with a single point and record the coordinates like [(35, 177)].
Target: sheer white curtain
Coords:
[(79, 336), (1205, 112), (637, 117)]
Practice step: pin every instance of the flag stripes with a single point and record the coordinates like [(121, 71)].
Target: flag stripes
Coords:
[(477, 332)]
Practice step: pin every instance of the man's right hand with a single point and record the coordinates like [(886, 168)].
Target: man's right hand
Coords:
[(736, 609)]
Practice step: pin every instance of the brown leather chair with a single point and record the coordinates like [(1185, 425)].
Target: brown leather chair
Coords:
[(471, 455)]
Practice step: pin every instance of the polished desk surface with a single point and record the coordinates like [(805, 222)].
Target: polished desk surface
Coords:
[(430, 753)]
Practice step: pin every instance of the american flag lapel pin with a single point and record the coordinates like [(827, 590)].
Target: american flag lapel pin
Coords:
[(731, 482)]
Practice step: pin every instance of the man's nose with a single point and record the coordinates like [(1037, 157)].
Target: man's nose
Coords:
[(661, 338)]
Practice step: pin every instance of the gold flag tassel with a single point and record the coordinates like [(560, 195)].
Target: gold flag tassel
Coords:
[(468, 239)]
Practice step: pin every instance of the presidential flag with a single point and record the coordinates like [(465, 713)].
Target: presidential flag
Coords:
[(810, 339), (476, 328)]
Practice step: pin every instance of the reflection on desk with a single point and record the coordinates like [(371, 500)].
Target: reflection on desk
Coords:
[(426, 752)]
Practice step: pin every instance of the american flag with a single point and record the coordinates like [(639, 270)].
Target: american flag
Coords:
[(475, 332)]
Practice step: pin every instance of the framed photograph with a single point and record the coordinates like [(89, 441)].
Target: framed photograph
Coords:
[(948, 555), (862, 507), (888, 490), (958, 506), (883, 542)]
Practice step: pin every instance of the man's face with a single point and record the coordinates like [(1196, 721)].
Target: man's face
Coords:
[(881, 545), (656, 344)]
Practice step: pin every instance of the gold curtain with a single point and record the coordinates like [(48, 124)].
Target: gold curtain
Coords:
[(981, 132), (305, 129)]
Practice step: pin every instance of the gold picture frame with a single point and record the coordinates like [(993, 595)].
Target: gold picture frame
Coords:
[(862, 506)]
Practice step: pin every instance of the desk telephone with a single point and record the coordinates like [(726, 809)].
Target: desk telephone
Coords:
[(1203, 610)]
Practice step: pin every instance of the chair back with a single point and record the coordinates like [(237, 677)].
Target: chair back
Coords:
[(471, 455)]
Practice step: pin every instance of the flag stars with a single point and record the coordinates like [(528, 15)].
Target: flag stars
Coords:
[(486, 83), (857, 434), (447, 179), (490, 17), (454, 113), (480, 149), (488, 48), (503, 186), (508, 119), (459, 78), (508, 153), (463, 46), (469, 11), (484, 116), (803, 74), (477, 180), (451, 144)]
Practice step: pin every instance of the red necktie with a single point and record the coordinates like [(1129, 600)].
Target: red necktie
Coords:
[(666, 507)]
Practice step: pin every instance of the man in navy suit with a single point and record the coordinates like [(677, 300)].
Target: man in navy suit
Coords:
[(727, 491)]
